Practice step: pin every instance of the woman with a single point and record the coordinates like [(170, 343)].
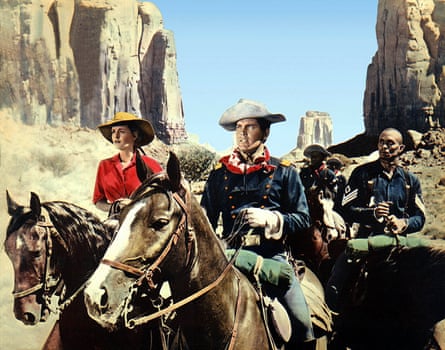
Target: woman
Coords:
[(116, 177)]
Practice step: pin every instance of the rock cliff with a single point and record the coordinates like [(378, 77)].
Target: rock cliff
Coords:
[(80, 61), (315, 127), (405, 82)]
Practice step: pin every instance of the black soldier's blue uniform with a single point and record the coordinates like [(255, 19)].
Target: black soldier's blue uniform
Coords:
[(369, 185), (322, 176)]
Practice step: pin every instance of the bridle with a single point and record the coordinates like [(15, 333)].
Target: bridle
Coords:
[(48, 282), (146, 273), (317, 209)]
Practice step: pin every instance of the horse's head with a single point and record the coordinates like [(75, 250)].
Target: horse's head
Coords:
[(28, 246), (153, 228), (318, 199), (396, 292), (321, 208)]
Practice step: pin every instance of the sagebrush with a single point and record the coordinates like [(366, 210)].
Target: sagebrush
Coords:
[(196, 161)]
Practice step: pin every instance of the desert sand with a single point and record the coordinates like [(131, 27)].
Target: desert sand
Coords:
[(59, 163)]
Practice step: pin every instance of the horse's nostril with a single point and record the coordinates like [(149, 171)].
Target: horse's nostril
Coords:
[(104, 299), (29, 318)]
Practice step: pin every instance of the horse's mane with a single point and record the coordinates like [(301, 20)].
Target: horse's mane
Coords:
[(424, 264), (157, 179), (84, 233), (423, 258), (199, 219), (433, 256), (201, 222), (400, 299), (411, 279)]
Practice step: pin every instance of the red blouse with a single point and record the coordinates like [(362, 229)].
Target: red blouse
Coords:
[(113, 182)]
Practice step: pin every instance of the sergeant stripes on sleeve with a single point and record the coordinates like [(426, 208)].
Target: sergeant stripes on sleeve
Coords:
[(349, 197)]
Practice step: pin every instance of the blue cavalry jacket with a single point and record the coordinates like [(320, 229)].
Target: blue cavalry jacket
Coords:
[(368, 185), (323, 176), (277, 187)]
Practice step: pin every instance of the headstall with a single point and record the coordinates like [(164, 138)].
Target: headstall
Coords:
[(47, 282), (146, 273)]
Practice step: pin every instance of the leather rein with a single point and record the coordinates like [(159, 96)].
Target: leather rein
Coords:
[(146, 273), (47, 282)]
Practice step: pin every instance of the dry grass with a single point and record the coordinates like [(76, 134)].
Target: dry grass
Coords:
[(60, 164)]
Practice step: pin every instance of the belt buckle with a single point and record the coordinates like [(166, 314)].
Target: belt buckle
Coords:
[(251, 240)]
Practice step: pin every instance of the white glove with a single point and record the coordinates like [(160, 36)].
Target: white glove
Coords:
[(270, 220)]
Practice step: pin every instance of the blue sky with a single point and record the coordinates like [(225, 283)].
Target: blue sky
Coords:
[(292, 55)]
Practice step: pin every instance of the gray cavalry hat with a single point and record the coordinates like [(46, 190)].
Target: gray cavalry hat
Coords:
[(247, 109)]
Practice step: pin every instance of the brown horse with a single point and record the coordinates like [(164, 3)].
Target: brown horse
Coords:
[(165, 236), (321, 243), (54, 247), (394, 300)]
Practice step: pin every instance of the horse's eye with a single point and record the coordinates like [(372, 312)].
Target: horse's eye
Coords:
[(159, 224)]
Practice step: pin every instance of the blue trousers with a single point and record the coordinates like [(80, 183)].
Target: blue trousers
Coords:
[(294, 302)]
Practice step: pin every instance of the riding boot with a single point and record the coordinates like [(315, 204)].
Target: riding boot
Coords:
[(307, 345), (336, 340)]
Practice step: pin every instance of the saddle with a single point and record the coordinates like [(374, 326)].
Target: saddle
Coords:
[(371, 253), (280, 274), (263, 270)]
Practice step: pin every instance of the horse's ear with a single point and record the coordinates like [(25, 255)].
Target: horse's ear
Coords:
[(35, 205), (13, 206), (174, 172)]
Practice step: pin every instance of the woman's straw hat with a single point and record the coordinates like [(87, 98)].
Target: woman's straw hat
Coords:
[(123, 118)]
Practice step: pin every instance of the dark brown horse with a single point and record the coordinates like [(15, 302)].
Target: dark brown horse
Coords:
[(54, 247), (165, 236), (394, 300)]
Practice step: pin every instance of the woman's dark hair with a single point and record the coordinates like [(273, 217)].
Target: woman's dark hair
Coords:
[(142, 170)]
